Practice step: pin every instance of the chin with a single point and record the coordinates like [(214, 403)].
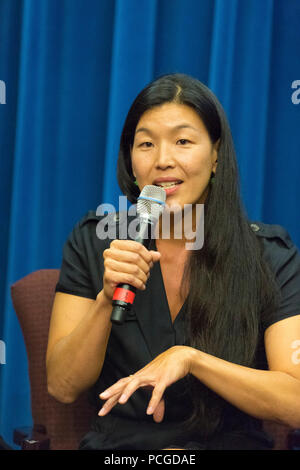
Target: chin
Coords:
[(174, 206)]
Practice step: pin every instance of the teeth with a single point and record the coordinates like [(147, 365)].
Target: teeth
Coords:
[(167, 185)]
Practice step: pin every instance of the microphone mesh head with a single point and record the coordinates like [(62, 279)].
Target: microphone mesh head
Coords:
[(151, 201)]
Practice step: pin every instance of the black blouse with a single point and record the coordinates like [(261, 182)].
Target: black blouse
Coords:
[(148, 331)]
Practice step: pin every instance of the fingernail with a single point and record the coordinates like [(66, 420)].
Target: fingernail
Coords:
[(150, 410), (101, 412), (104, 394)]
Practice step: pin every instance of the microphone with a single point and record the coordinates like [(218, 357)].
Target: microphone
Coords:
[(150, 205)]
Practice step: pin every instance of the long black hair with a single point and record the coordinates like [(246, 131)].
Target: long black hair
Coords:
[(230, 285)]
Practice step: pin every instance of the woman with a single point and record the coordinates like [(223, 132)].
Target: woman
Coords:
[(210, 347)]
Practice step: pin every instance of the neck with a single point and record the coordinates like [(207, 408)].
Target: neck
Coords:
[(180, 227)]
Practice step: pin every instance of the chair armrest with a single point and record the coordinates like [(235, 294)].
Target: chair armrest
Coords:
[(32, 438)]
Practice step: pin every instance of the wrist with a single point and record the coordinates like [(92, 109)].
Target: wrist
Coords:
[(193, 359), (103, 300)]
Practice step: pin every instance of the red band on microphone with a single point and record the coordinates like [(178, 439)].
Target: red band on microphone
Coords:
[(124, 295)]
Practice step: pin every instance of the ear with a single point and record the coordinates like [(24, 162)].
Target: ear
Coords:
[(132, 170), (130, 153), (216, 146)]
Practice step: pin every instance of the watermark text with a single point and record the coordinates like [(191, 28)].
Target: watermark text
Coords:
[(296, 354), (296, 95), (2, 352), (2, 92), (175, 222)]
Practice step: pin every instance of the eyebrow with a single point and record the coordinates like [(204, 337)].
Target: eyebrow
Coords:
[(175, 128)]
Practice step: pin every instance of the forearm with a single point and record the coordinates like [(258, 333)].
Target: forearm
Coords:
[(268, 395), (76, 360)]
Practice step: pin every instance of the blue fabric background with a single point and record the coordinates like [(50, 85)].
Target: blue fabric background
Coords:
[(71, 70)]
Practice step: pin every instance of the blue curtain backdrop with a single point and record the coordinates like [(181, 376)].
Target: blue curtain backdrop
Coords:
[(71, 69)]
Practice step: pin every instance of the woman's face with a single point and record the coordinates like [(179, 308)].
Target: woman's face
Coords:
[(172, 149)]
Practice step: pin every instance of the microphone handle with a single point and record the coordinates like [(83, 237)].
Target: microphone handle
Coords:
[(125, 293)]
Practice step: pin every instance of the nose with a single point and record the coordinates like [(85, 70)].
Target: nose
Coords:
[(164, 157)]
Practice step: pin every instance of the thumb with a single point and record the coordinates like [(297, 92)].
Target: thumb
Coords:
[(156, 255)]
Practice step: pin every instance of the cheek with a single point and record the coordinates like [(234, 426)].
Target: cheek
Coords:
[(141, 167), (201, 171), (139, 171), (134, 165), (203, 166), (199, 162)]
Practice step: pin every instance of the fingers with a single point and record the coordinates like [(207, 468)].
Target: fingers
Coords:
[(131, 269), (113, 278), (156, 397), (160, 373), (132, 386), (134, 247), (158, 414), (156, 255), (112, 396), (121, 391), (129, 258), (108, 405), (117, 388), (127, 261)]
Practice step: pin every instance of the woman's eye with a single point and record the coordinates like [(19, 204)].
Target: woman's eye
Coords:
[(145, 144), (183, 141)]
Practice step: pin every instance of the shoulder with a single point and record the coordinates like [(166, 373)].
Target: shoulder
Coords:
[(89, 219), (101, 228), (272, 233), (283, 258), (277, 246), (84, 228)]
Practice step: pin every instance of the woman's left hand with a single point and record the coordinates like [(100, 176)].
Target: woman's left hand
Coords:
[(167, 368)]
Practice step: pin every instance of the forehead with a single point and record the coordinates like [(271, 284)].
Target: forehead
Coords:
[(169, 115)]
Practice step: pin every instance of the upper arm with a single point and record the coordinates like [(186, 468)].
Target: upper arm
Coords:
[(67, 312), (282, 344)]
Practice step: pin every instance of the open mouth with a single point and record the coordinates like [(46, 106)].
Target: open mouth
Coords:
[(169, 184)]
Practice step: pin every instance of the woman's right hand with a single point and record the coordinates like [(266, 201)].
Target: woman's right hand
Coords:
[(127, 262)]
